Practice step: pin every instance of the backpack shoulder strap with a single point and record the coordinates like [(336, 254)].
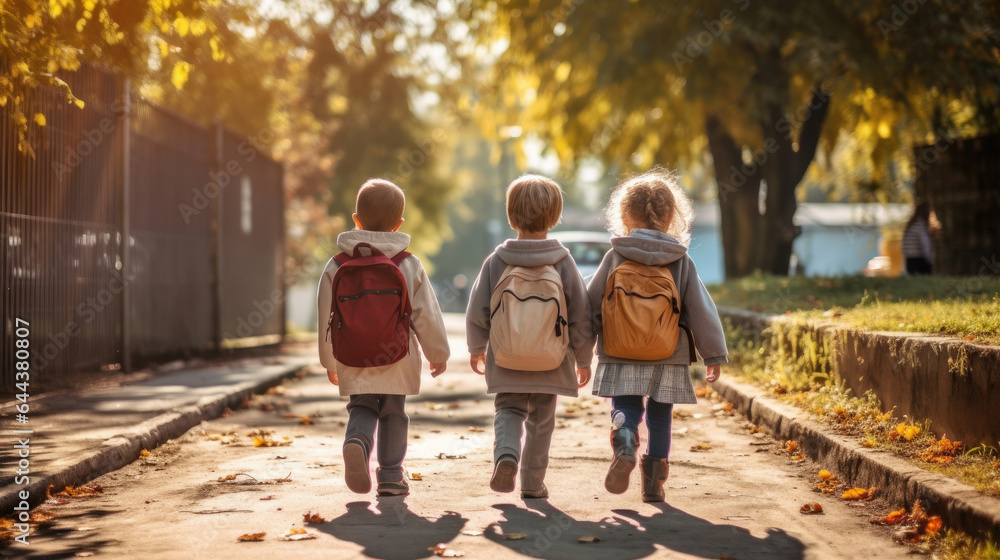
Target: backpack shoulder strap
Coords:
[(400, 257), (342, 258)]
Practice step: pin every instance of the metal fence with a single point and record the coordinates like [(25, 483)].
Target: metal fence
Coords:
[(132, 234)]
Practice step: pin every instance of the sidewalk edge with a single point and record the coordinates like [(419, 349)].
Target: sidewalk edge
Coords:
[(125, 448), (901, 483)]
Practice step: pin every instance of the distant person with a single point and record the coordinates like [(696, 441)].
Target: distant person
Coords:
[(648, 301), (528, 324), (375, 302), (917, 241)]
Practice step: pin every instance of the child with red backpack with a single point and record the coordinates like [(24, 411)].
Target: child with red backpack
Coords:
[(528, 323), (375, 303), (651, 310)]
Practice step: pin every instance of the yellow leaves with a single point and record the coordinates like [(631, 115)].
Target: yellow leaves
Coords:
[(791, 447), (218, 54), (701, 447), (198, 27), (179, 76), (163, 46), (562, 71), (828, 482), (298, 534), (182, 25), (78, 102), (144, 453), (266, 441), (884, 130), (826, 475), (942, 452), (859, 494), (33, 20), (39, 119), (905, 431), (416, 476), (251, 537)]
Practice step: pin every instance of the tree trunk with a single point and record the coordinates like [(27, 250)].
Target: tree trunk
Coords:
[(757, 235)]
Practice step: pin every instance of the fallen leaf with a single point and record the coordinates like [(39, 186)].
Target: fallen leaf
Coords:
[(515, 536), (267, 498), (446, 456), (442, 550), (700, 447), (589, 539), (791, 447), (298, 534), (470, 533), (435, 406), (454, 405), (701, 392), (144, 453), (476, 429), (251, 537), (811, 508), (313, 518), (799, 457), (906, 431), (416, 476), (859, 494), (83, 554), (826, 475)]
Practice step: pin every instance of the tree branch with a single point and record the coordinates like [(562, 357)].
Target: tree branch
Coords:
[(819, 105)]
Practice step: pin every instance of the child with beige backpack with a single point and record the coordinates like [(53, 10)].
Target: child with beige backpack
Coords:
[(529, 324), (651, 310)]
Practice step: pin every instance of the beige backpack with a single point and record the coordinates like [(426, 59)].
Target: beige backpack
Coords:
[(640, 312), (528, 319)]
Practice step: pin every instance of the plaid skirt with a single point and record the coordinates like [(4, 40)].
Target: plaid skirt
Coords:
[(664, 383)]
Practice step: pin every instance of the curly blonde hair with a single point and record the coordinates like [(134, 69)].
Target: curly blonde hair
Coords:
[(652, 200)]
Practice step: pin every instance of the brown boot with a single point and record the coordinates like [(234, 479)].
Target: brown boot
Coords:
[(654, 474), (624, 442)]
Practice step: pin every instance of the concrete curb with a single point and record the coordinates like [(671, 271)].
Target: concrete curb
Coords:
[(901, 483), (120, 450)]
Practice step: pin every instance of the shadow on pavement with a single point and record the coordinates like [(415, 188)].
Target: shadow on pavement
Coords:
[(628, 535), (393, 532)]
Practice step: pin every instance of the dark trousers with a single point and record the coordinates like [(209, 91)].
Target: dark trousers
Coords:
[(658, 417)]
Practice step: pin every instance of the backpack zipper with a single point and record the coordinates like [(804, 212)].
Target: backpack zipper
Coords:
[(371, 292), (560, 322), (673, 300)]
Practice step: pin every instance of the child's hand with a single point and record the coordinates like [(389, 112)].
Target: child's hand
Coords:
[(332, 376), (438, 369), (583, 376), (477, 359), (712, 373)]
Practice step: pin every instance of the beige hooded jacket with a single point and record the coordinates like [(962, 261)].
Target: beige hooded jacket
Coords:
[(402, 377)]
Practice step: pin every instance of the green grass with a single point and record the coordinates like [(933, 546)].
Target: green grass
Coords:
[(966, 307)]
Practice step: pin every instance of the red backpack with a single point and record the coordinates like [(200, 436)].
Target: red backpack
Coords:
[(370, 310)]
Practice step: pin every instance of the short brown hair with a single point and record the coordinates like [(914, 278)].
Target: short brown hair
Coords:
[(534, 204), (380, 205)]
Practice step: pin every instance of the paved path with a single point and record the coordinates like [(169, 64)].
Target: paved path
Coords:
[(738, 499)]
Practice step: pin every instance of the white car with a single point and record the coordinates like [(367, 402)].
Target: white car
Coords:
[(586, 247)]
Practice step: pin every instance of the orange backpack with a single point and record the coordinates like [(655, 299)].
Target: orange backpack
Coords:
[(641, 312)]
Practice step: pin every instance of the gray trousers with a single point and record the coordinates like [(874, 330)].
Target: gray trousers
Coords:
[(534, 415), (384, 413)]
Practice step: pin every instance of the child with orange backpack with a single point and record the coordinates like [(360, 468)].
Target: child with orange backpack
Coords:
[(528, 321), (651, 310), (375, 302)]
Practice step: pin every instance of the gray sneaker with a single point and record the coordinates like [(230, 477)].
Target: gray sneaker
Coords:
[(356, 474), (398, 488)]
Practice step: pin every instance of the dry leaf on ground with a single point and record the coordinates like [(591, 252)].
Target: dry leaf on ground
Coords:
[(589, 539), (515, 536), (144, 453), (416, 476), (476, 429), (791, 446), (701, 447), (298, 534), (914, 526), (251, 537), (811, 508), (313, 518), (859, 494), (443, 551)]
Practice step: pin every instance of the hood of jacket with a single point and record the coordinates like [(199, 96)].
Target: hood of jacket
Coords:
[(531, 252), (390, 243), (649, 247)]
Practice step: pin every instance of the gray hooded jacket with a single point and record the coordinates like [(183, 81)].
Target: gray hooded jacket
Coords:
[(532, 252), (698, 311)]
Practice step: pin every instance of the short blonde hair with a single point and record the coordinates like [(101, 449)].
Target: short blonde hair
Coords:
[(534, 204), (380, 205), (652, 200)]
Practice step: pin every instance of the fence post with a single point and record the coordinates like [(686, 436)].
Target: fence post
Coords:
[(126, 228), (215, 229), (282, 284)]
